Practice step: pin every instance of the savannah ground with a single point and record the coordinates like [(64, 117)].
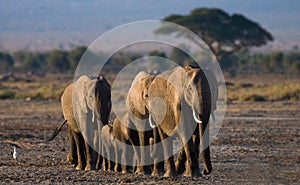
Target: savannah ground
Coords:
[(258, 143)]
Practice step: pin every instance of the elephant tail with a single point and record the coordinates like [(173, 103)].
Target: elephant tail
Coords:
[(57, 131)]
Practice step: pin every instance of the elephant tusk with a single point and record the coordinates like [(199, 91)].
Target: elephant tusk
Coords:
[(151, 123), (93, 117), (213, 117), (196, 118)]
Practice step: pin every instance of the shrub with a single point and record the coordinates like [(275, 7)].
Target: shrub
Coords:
[(4, 94)]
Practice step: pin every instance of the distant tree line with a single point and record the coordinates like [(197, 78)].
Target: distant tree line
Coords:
[(59, 61), (55, 61), (276, 62)]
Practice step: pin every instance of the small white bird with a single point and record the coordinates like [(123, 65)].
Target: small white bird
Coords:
[(15, 154)]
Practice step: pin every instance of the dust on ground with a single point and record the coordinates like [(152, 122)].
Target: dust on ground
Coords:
[(257, 144)]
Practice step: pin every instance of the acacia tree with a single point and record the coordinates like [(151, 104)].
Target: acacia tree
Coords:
[(223, 33)]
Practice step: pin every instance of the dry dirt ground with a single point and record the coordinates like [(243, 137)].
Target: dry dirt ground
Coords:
[(259, 143)]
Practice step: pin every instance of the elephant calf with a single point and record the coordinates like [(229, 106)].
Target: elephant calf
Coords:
[(119, 141)]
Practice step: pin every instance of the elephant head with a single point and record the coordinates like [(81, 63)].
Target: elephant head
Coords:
[(180, 90), (92, 96), (197, 93), (206, 82), (137, 97), (103, 99)]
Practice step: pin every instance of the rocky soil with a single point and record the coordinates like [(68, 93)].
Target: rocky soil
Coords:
[(258, 143)]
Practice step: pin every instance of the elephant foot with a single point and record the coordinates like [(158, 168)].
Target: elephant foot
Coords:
[(206, 172), (157, 173), (170, 173), (90, 167), (143, 170), (158, 169), (190, 173), (79, 167), (127, 169), (179, 168), (124, 171), (70, 158), (118, 168)]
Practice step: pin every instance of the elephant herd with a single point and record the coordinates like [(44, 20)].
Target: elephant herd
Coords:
[(175, 104)]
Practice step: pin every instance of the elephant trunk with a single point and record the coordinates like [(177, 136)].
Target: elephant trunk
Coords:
[(204, 147)]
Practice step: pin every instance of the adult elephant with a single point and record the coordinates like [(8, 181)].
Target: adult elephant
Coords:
[(176, 102), (136, 105), (201, 140), (119, 140), (85, 103)]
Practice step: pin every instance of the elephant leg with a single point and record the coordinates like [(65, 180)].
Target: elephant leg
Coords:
[(128, 152), (105, 159), (144, 155), (90, 164), (99, 161), (105, 149), (72, 155), (192, 165), (98, 151), (180, 162), (204, 148), (156, 150), (133, 156), (118, 156), (80, 151), (140, 169), (111, 159), (168, 154)]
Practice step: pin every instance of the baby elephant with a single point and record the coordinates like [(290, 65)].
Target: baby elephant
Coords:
[(119, 140)]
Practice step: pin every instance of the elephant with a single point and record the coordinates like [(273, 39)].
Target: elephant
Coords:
[(207, 91), (108, 151), (176, 102), (119, 140), (136, 108), (85, 104)]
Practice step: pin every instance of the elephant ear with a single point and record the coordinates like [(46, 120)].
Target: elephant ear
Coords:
[(135, 99), (79, 94), (213, 85)]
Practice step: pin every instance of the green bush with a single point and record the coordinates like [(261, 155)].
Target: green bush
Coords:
[(4, 94)]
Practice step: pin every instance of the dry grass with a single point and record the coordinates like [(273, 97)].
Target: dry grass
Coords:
[(33, 89), (253, 88), (264, 89)]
